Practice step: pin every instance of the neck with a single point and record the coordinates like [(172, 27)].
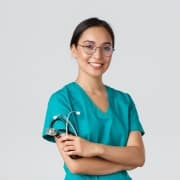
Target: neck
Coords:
[(90, 84)]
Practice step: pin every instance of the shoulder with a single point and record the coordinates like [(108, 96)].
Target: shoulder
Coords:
[(61, 93), (119, 95)]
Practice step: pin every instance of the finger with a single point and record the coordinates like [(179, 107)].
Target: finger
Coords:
[(63, 139), (69, 148), (58, 140), (67, 137), (72, 153), (68, 143)]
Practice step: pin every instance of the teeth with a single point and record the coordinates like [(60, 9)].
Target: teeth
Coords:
[(95, 64)]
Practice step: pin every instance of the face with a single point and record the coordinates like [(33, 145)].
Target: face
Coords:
[(94, 51)]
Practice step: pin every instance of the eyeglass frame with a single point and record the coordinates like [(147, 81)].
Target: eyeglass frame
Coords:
[(95, 48)]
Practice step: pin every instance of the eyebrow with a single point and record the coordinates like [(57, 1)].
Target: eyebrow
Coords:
[(95, 42)]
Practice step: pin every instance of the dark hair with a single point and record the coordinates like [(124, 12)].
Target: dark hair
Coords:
[(88, 23)]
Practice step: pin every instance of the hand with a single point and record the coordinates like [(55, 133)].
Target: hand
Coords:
[(59, 143), (74, 145)]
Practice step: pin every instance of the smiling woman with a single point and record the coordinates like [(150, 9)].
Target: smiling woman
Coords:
[(93, 51), (101, 152)]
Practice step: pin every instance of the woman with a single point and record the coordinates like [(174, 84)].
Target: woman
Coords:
[(109, 133)]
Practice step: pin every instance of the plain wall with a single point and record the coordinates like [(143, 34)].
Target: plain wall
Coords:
[(35, 61)]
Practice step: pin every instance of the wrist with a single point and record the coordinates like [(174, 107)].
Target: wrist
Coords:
[(99, 149)]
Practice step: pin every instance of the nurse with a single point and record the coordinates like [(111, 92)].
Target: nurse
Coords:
[(109, 141)]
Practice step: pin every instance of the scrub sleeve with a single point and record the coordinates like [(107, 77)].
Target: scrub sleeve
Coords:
[(56, 106), (134, 122)]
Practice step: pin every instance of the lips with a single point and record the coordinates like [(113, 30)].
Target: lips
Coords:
[(95, 65)]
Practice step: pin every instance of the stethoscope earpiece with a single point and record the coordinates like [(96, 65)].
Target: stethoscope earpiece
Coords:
[(77, 112)]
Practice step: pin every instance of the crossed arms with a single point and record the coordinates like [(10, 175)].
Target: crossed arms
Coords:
[(100, 159)]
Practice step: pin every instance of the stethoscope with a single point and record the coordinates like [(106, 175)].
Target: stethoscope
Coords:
[(51, 131)]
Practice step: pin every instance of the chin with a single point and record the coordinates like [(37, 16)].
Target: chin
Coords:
[(96, 74)]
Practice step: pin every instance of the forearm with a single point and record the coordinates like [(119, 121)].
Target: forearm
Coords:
[(93, 166), (129, 155), (110, 158), (90, 165)]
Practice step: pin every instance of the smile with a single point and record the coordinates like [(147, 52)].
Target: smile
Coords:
[(96, 65)]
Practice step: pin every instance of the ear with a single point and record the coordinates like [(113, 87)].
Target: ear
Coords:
[(74, 51)]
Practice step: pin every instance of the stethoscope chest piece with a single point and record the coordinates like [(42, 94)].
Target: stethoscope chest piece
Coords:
[(52, 132)]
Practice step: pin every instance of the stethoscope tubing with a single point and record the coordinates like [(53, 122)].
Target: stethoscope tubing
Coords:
[(51, 131)]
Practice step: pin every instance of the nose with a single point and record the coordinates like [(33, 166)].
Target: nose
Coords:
[(98, 53)]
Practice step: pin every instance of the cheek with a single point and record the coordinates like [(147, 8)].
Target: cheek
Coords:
[(107, 63), (83, 58), (108, 60)]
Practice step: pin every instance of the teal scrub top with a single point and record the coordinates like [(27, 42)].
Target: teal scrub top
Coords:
[(111, 127)]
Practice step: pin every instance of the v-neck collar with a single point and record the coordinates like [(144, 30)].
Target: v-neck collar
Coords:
[(91, 101)]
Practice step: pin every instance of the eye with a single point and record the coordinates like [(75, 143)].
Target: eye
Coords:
[(89, 47), (107, 48)]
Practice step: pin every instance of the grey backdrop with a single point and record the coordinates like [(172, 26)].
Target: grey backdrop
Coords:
[(35, 61)]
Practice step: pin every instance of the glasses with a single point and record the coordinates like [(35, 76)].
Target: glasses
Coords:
[(106, 50)]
